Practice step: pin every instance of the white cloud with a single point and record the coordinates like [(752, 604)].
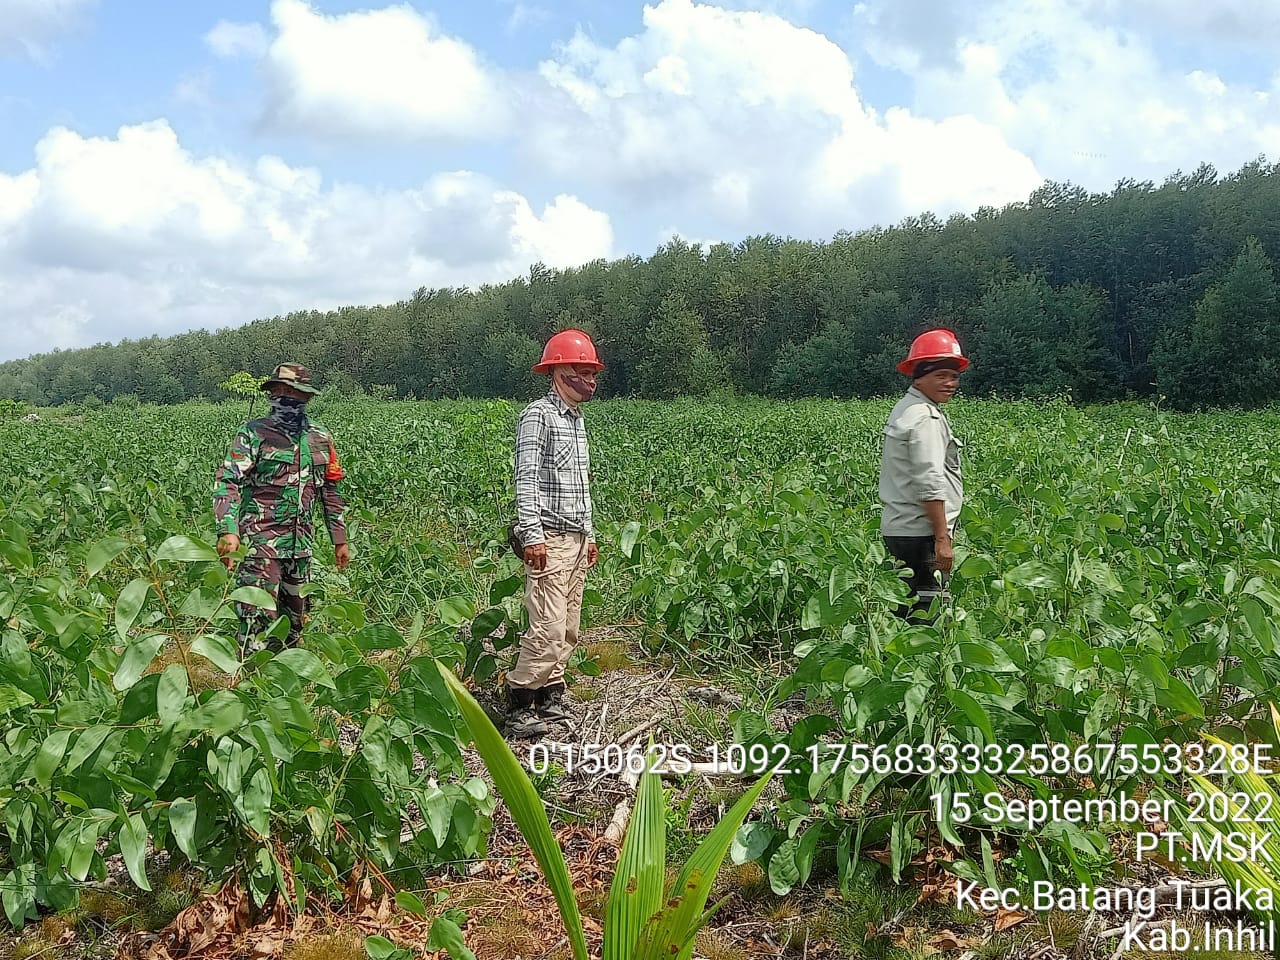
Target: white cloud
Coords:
[(791, 9), (759, 123), (667, 234), (28, 27), (1080, 87), (1244, 23), (525, 14), (130, 235), (230, 40), (386, 73)]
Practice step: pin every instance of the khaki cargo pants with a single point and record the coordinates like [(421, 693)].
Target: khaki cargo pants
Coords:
[(553, 598)]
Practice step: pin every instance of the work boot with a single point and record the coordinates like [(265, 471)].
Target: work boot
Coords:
[(551, 703), (522, 715)]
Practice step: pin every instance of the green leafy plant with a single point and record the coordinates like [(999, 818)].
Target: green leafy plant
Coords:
[(242, 384), (1240, 809), (131, 722), (644, 920)]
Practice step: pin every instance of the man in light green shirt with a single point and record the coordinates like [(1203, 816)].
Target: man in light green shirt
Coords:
[(921, 490)]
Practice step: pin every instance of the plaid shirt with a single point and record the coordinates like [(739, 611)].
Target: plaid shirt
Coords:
[(553, 471)]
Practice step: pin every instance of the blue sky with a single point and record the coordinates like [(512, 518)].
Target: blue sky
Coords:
[(172, 165)]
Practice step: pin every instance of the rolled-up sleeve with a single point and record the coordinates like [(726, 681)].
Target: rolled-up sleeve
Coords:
[(928, 450), (530, 437)]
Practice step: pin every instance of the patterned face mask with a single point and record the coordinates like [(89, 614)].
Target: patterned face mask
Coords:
[(288, 415), (584, 388)]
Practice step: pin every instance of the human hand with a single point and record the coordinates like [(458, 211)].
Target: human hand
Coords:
[(593, 554), (342, 555), (944, 554), (228, 544), (535, 555)]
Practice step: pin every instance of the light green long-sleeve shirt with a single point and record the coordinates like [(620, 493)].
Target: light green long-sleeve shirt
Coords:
[(920, 462)]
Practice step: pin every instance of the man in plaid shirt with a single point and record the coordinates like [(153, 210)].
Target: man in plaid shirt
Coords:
[(554, 527)]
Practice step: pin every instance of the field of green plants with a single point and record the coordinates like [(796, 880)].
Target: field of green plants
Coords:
[(1117, 582)]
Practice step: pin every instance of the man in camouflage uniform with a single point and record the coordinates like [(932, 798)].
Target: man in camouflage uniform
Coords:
[(265, 492)]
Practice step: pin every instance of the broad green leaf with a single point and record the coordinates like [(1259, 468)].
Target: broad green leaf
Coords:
[(171, 694), (784, 874), (1035, 574), (437, 807), (806, 849), (137, 657), (185, 550), (133, 848), (50, 755), (11, 698), (750, 842), (256, 802), (1179, 697), (88, 741), (13, 545), (129, 605), (253, 596), (380, 948), (446, 935), (455, 611), (1190, 615), (182, 823), (102, 553), (219, 715), (378, 636), (487, 622), (406, 900), (305, 664), (627, 539), (18, 894), (974, 711), (222, 652)]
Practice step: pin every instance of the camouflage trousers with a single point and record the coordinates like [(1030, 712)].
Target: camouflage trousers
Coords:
[(283, 578)]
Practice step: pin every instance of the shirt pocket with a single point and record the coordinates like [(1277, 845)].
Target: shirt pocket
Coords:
[(564, 453), (277, 467)]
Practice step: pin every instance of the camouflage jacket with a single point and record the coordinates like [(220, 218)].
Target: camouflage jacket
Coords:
[(266, 489)]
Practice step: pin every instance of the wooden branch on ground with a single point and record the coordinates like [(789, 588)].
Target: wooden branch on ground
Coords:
[(638, 730), (617, 828)]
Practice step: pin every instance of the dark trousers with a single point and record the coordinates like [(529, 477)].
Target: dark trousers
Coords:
[(916, 553)]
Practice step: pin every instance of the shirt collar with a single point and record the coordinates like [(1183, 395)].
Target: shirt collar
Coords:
[(561, 405), (912, 391)]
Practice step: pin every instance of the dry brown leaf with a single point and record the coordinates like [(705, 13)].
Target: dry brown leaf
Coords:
[(943, 891), (907, 934), (947, 941), (1009, 918), (268, 946)]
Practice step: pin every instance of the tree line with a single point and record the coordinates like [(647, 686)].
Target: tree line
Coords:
[(1144, 292)]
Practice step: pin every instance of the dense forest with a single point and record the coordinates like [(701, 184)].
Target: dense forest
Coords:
[(1146, 291)]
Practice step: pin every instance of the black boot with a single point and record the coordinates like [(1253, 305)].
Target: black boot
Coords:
[(551, 703), (522, 716)]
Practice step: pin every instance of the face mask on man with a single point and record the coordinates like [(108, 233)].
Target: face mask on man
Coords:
[(288, 414), (583, 387)]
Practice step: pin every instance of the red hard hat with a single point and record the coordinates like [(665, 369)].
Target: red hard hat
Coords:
[(933, 345), (568, 346)]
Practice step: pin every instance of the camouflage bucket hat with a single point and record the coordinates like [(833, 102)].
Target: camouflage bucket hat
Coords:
[(293, 375)]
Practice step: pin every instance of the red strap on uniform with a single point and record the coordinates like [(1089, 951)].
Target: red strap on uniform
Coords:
[(334, 470)]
